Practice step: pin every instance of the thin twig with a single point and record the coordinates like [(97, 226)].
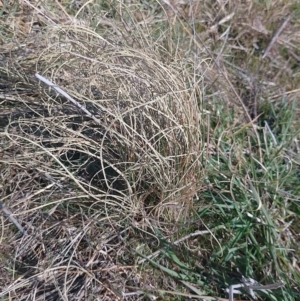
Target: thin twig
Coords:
[(267, 286), (9, 215), (271, 133), (66, 95), (39, 11), (276, 35), (250, 285)]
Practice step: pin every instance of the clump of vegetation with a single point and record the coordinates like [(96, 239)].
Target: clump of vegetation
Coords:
[(182, 179)]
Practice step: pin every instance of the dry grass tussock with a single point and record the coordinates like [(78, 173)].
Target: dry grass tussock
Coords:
[(76, 186), (90, 193)]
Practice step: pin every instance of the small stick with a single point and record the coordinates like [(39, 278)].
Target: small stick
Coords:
[(270, 131), (250, 285), (276, 35), (66, 95), (12, 219), (267, 286)]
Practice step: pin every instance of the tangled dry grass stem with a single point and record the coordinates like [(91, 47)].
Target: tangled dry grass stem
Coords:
[(126, 153)]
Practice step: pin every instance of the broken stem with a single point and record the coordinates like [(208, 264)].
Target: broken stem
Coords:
[(66, 95)]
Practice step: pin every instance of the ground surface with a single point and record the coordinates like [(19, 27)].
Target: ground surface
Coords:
[(182, 177)]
